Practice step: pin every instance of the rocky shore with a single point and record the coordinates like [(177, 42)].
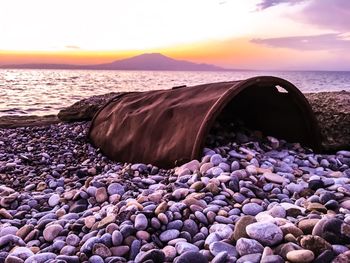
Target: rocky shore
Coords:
[(255, 199), (332, 110)]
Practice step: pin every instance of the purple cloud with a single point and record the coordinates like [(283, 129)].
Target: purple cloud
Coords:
[(270, 3), (331, 14), (315, 42)]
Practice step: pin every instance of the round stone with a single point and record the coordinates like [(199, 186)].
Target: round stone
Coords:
[(101, 195), (220, 258), (300, 256), (307, 225), (72, 240), (272, 259), (220, 246), (169, 252), (274, 178), (266, 233), (190, 226), (315, 243), (216, 159), (169, 235), (224, 231), (182, 247), (191, 257), (52, 231), (141, 222), (101, 250), (277, 211), (54, 200), (41, 257), (21, 252), (251, 258), (119, 251), (240, 226), (252, 209), (247, 246), (115, 188), (153, 255)]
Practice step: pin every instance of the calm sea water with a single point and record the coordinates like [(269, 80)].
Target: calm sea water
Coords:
[(41, 92)]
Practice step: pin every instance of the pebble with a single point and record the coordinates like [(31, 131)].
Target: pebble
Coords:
[(141, 222), (220, 258), (41, 258), (21, 252), (153, 255), (182, 247), (70, 203), (168, 235), (52, 231), (252, 258), (115, 188), (220, 246), (240, 226), (252, 209), (300, 256), (54, 200), (247, 246), (274, 178), (101, 195), (191, 257), (266, 233)]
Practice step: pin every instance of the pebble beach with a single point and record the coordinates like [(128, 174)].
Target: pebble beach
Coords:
[(250, 198)]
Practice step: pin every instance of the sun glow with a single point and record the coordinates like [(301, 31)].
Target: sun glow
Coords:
[(117, 24), (209, 31)]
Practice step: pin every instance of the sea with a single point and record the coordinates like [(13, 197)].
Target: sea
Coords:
[(42, 92)]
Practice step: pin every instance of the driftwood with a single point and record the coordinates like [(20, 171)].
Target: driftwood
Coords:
[(332, 110)]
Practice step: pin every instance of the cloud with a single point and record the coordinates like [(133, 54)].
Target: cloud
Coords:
[(329, 14), (332, 14), (331, 41), (270, 3), (72, 47)]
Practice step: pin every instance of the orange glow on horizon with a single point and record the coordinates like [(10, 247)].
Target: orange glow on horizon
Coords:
[(237, 53)]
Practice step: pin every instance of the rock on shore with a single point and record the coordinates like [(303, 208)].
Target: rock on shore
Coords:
[(332, 110), (85, 109), (256, 199)]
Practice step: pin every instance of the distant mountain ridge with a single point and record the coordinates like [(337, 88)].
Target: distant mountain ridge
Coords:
[(148, 61)]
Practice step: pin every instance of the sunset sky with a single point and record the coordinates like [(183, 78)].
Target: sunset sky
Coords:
[(249, 34)]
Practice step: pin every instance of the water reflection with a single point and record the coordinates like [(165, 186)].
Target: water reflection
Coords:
[(43, 92)]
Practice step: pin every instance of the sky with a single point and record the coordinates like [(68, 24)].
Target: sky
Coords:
[(242, 34)]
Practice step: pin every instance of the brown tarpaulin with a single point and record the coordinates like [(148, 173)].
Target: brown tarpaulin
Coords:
[(168, 127)]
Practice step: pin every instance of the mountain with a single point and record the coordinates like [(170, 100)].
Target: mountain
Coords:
[(155, 61), (149, 61)]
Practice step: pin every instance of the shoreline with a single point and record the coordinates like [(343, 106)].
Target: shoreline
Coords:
[(331, 109)]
